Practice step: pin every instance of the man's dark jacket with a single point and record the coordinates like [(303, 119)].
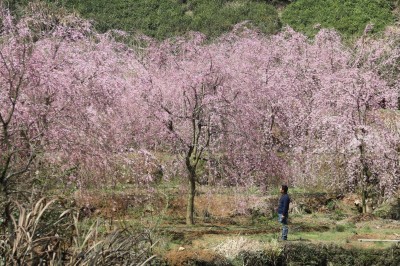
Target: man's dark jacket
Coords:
[(283, 207)]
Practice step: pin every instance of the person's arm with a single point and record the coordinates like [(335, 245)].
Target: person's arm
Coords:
[(285, 206)]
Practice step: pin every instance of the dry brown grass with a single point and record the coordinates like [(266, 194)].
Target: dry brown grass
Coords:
[(118, 204), (42, 233), (194, 257), (218, 205), (231, 247)]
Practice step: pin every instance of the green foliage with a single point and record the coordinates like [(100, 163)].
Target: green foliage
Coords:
[(14, 4), (309, 254), (215, 17), (163, 19), (259, 258), (340, 228), (151, 17), (338, 215), (332, 205), (344, 227), (348, 17), (389, 210), (168, 18)]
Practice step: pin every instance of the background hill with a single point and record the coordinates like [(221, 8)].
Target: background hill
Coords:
[(164, 19)]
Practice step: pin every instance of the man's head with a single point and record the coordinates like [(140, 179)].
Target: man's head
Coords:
[(284, 189)]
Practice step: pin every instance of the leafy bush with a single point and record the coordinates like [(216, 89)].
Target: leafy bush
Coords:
[(311, 254), (340, 228), (389, 210), (348, 17), (258, 258), (335, 255)]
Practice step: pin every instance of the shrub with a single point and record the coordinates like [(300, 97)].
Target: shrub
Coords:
[(300, 254), (257, 258), (389, 210), (340, 228), (311, 254), (348, 17)]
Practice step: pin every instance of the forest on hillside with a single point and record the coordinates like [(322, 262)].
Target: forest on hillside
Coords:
[(137, 110), (165, 19)]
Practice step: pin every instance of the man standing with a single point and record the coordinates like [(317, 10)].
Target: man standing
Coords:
[(283, 211)]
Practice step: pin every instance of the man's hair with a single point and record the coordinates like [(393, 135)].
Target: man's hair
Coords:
[(285, 188)]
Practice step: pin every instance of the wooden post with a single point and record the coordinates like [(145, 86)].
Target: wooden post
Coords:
[(378, 240)]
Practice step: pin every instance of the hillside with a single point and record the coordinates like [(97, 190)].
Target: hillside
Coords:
[(164, 19)]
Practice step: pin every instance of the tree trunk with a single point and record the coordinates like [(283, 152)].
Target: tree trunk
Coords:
[(191, 168), (190, 202), (364, 199), (364, 177)]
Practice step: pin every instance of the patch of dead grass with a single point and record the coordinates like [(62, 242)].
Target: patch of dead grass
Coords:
[(231, 247), (194, 257)]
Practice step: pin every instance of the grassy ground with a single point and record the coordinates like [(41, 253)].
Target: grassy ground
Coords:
[(230, 221), (232, 240), (308, 228)]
